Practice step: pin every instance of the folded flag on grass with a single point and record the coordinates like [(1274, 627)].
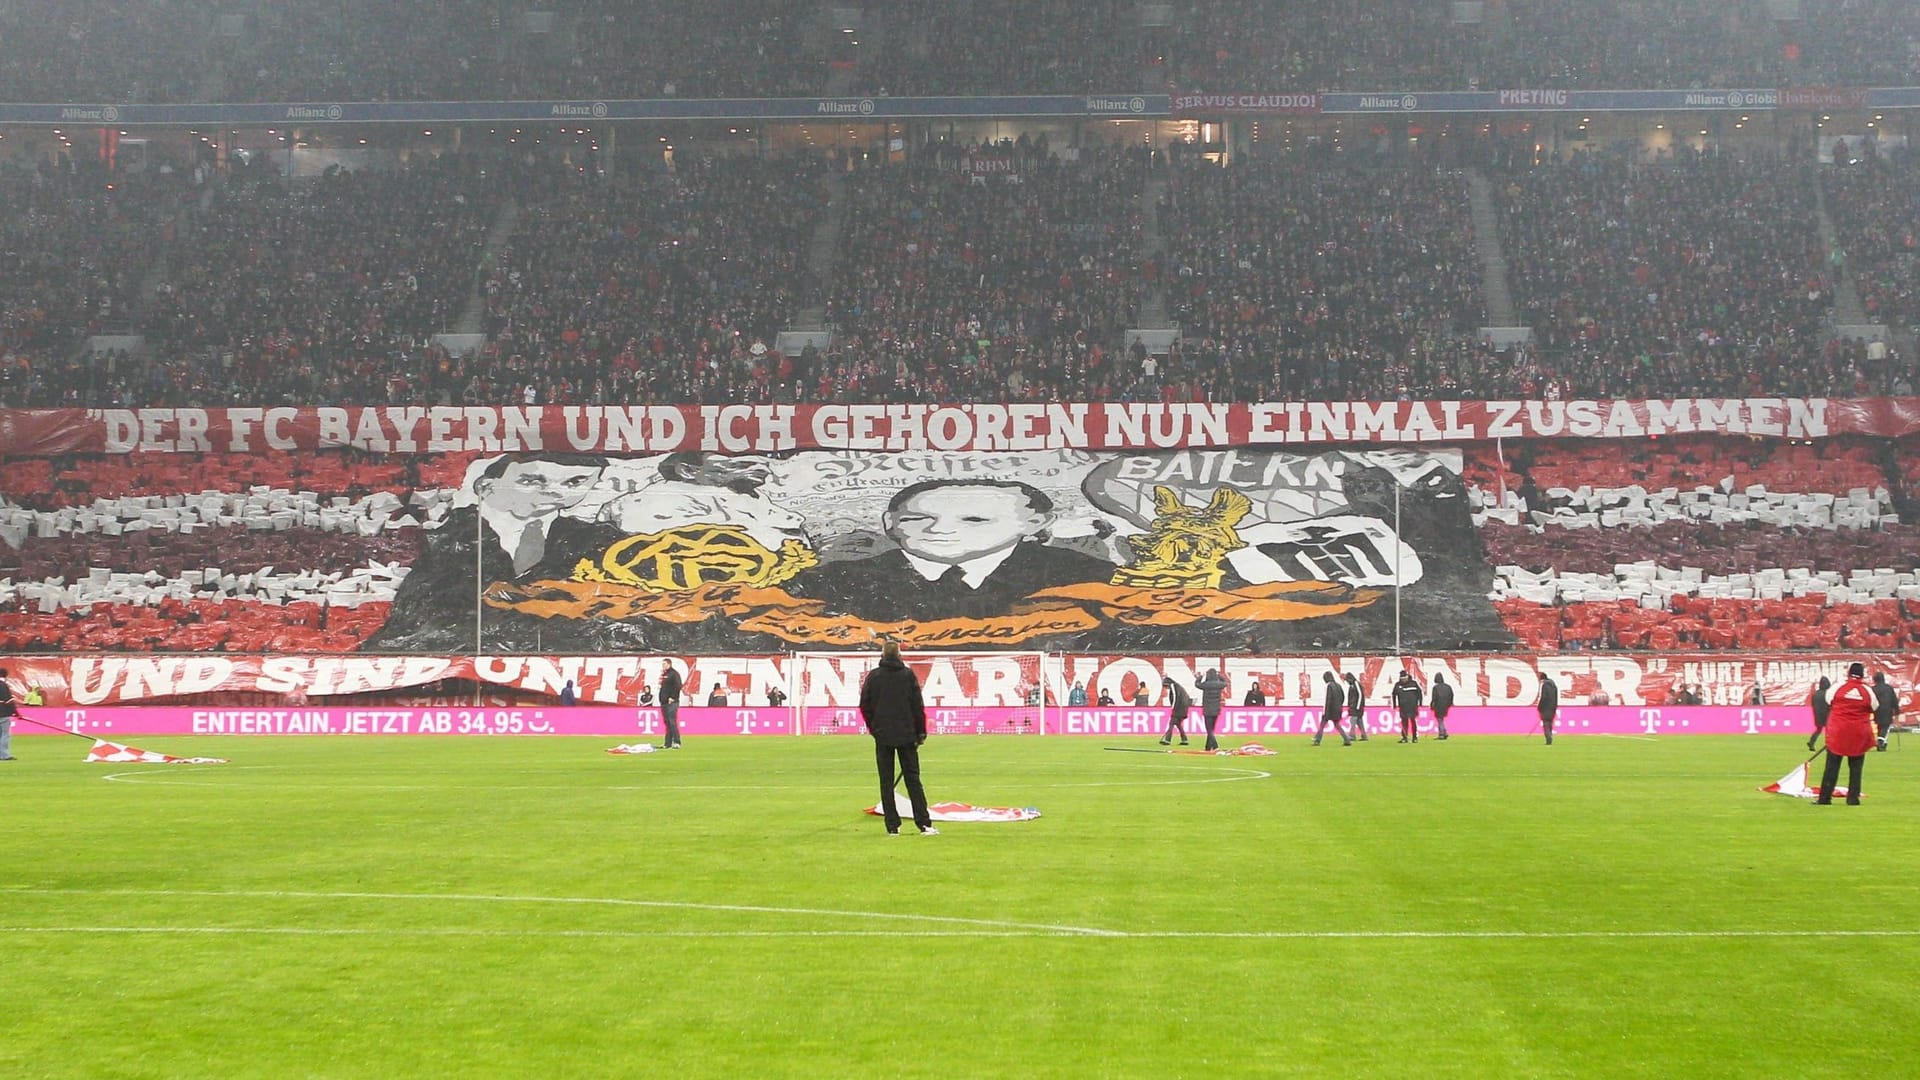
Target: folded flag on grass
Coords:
[(633, 748), (959, 811), (117, 753), (1800, 784)]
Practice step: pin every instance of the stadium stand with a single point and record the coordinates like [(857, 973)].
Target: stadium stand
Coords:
[(948, 288), (664, 287), (366, 50), (1700, 275), (1872, 203), (1307, 281)]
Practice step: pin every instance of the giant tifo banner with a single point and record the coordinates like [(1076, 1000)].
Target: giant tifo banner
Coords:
[(1094, 530), (743, 429), (829, 684)]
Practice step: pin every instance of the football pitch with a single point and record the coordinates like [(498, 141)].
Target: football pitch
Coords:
[(1604, 907)]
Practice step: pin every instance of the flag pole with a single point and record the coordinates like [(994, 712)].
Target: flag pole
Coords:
[(1397, 545), (52, 727), (479, 578)]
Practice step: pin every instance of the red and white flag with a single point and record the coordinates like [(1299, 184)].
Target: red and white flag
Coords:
[(1252, 749), (116, 753), (1800, 785), (959, 811)]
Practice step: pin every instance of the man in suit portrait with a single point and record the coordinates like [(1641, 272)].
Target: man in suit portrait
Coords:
[(702, 488), (965, 549), (516, 530)]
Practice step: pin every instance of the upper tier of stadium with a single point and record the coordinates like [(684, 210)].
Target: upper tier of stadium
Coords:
[(154, 51)]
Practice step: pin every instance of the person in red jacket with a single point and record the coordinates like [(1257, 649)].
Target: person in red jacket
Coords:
[(1849, 734)]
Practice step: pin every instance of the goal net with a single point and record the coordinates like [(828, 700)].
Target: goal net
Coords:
[(1001, 693)]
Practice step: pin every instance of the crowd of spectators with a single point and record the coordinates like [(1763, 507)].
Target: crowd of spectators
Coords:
[(994, 272), (74, 246), (1853, 43), (1017, 46), (1701, 274), (1874, 201), (664, 287), (373, 50), (720, 48), (311, 289), (1297, 280), (140, 50), (1232, 46)]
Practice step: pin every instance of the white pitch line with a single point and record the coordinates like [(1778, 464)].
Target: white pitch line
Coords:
[(488, 898), (430, 932), (164, 777), (1012, 932)]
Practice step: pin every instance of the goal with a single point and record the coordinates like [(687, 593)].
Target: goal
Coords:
[(985, 693)]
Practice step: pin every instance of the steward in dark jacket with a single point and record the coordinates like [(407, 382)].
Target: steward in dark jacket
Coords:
[(896, 717), (1442, 703), (1549, 705), (1182, 703), (1330, 707), (1406, 697)]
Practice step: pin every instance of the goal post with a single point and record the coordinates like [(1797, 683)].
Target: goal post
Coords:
[(967, 693)]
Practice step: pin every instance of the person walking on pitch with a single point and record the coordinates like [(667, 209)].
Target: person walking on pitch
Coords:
[(1849, 734), (7, 710), (1886, 706), (1821, 704), (1356, 708), (1549, 705), (1406, 697), (1213, 688), (896, 717), (670, 687), (1182, 703), (1442, 702), (1330, 711)]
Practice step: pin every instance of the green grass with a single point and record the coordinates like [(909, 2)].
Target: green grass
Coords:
[(430, 907)]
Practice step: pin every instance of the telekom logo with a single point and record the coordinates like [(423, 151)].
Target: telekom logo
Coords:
[(1750, 720), (1650, 721)]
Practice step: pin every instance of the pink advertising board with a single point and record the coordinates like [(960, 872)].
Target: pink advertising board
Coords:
[(1474, 720), (634, 724), (644, 724)]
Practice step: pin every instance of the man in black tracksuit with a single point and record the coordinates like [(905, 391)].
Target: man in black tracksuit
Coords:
[(1442, 701), (1549, 705), (1886, 706), (670, 685), (1406, 697), (1213, 688), (896, 717), (1356, 708), (1330, 711), (1182, 703)]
